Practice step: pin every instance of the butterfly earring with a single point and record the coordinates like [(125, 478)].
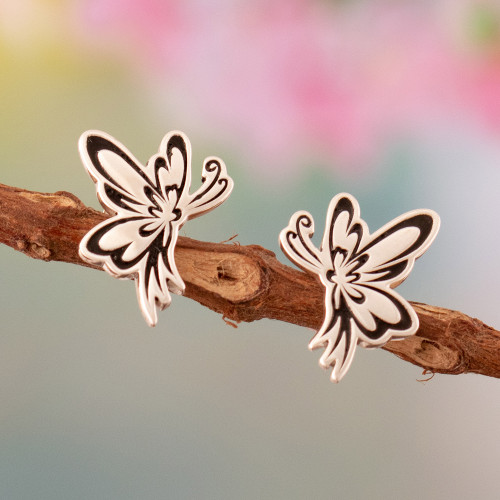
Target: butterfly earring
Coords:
[(359, 271), (148, 205)]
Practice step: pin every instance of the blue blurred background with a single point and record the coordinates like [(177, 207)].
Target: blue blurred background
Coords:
[(397, 103)]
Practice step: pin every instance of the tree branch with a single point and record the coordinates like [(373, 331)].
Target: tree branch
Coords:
[(245, 283)]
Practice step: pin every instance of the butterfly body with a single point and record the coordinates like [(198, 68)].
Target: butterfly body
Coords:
[(148, 205)]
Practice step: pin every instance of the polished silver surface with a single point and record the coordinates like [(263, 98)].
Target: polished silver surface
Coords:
[(149, 204), (359, 271)]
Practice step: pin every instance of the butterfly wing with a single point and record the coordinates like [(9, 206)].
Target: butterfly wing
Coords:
[(215, 189), (121, 181), (138, 241), (172, 169), (295, 241), (380, 265)]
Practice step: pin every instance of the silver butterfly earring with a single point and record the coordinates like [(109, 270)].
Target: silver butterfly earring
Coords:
[(148, 204), (359, 271)]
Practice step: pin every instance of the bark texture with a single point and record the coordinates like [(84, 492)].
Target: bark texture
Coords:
[(245, 283)]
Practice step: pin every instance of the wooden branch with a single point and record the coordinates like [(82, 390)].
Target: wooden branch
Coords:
[(245, 283)]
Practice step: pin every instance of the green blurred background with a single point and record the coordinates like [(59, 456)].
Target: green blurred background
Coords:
[(397, 103)]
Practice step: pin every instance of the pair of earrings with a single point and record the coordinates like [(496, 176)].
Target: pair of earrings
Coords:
[(149, 203)]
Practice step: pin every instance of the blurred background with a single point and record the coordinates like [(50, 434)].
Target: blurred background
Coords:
[(396, 102)]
